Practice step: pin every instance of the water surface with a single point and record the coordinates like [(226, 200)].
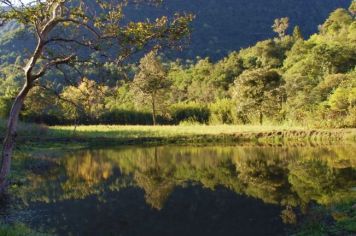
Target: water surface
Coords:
[(183, 190)]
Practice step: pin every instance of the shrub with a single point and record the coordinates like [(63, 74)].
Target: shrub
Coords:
[(18, 230), (351, 118), (192, 112), (127, 117), (25, 129), (223, 112), (5, 106)]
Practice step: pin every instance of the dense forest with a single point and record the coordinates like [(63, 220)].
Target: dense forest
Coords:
[(292, 78)]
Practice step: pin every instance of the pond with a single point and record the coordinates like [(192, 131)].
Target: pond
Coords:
[(185, 190)]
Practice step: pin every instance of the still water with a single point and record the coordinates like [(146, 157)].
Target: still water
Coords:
[(183, 190)]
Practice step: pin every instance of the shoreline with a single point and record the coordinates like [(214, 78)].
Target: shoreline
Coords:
[(150, 135)]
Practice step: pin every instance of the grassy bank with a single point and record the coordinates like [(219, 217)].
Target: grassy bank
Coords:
[(18, 230), (197, 134), (178, 134)]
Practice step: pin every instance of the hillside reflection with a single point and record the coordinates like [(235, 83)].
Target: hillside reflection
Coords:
[(284, 176)]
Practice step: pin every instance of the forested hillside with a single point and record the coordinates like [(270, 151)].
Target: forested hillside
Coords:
[(290, 78), (221, 26)]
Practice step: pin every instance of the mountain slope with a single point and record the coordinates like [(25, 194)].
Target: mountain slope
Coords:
[(221, 26)]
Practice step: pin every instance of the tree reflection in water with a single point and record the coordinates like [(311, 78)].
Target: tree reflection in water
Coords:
[(290, 177)]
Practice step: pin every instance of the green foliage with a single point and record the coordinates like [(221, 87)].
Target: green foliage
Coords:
[(223, 112), (85, 101), (266, 54), (343, 99), (126, 117), (191, 112), (25, 129), (5, 106), (280, 26), (151, 84), (257, 92), (287, 79), (18, 230), (297, 33), (352, 7)]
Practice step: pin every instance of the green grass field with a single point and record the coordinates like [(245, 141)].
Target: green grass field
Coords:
[(178, 134), (201, 133), (118, 131)]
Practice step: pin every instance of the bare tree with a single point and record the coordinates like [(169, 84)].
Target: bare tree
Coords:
[(67, 31)]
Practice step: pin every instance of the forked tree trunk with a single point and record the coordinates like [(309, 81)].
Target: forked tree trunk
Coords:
[(10, 136)]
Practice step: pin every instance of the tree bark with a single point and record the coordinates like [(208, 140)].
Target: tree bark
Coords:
[(154, 110), (10, 136)]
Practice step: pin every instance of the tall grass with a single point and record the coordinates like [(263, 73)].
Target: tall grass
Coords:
[(25, 129), (244, 132), (118, 131), (184, 133), (18, 230)]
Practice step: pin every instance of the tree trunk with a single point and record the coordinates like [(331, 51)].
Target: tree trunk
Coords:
[(154, 110), (10, 136), (261, 118)]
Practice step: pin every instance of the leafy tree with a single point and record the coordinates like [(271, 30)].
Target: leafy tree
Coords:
[(122, 98), (337, 22), (343, 99), (330, 84), (223, 111), (181, 78), (266, 54), (85, 101), (226, 70), (352, 8), (257, 92), (152, 82), (41, 106), (67, 32), (297, 33), (280, 26)]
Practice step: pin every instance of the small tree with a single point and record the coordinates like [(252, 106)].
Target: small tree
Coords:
[(297, 33), (87, 99), (67, 32), (280, 26), (152, 82), (258, 91), (352, 8)]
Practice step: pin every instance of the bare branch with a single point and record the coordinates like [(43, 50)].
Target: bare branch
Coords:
[(54, 62), (87, 44)]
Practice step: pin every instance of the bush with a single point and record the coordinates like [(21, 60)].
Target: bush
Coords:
[(128, 117), (18, 230), (5, 106), (192, 112), (47, 119), (351, 118), (223, 112), (25, 129)]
